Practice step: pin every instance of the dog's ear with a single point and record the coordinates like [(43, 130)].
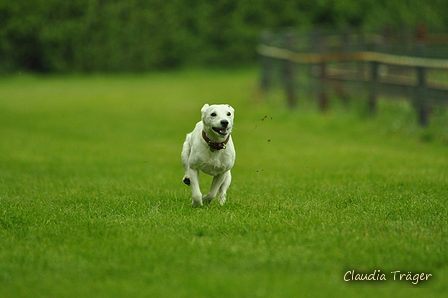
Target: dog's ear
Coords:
[(204, 108)]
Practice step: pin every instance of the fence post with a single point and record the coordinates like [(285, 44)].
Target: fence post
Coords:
[(373, 92), (422, 106), (361, 46), (288, 69), (421, 102), (266, 63), (374, 75), (345, 47), (319, 47), (323, 95)]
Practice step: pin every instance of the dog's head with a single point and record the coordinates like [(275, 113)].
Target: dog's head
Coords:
[(218, 119)]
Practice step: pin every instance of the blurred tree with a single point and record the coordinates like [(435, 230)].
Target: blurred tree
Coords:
[(137, 35)]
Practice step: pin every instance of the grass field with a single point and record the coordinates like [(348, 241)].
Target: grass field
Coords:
[(92, 203)]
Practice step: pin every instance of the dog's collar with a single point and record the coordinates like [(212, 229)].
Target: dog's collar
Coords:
[(215, 145)]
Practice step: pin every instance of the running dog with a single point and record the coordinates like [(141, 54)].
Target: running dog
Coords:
[(209, 148)]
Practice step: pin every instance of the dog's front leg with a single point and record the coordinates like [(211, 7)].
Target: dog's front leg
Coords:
[(224, 186), (195, 189), (216, 183)]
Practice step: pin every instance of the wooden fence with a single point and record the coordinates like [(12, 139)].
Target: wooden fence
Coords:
[(390, 64)]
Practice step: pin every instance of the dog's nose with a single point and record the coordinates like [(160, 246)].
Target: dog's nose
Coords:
[(224, 123)]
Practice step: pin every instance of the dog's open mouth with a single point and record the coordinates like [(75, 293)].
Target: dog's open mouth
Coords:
[(220, 131)]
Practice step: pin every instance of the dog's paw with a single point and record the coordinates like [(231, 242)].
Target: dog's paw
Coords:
[(207, 199), (196, 203), (222, 200), (186, 180)]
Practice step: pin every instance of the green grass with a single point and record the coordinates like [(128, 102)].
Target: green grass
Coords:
[(92, 203)]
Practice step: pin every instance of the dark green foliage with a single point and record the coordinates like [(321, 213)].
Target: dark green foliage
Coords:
[(135, 35)]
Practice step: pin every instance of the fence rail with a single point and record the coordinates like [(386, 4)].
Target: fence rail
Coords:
[(387, 64), (383, 58)]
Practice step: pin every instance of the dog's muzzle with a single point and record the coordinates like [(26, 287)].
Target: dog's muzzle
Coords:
[(220, 131), (223, 130)]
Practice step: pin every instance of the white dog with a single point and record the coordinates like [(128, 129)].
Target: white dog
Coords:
[(209, 148)]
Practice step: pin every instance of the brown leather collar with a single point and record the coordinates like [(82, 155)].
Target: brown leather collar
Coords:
[(213, 145)]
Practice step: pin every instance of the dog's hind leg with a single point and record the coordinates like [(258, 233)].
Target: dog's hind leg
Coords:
[(224, 186), (186, 180)]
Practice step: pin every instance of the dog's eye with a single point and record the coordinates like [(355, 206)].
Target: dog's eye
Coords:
[(213, 114), (228, 114)]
